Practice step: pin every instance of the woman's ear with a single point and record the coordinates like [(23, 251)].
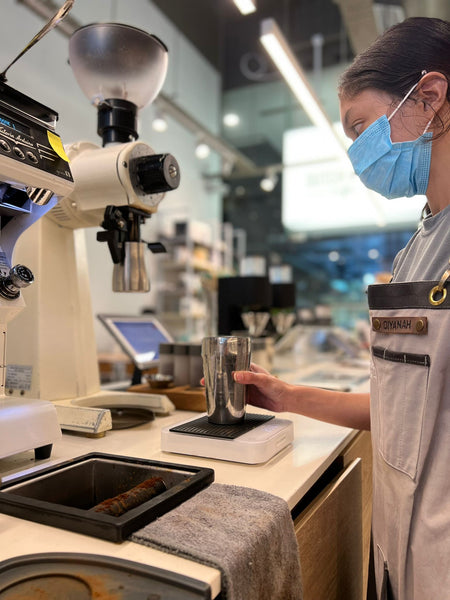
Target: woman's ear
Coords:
[(432, 91)]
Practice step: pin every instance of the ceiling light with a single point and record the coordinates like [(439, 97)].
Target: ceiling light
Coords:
[(246, 6), (286, 62), (159, 122), (202, 151), (268, 183), (231, 120)]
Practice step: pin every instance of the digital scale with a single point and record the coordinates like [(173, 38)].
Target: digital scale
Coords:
[(257, 439)]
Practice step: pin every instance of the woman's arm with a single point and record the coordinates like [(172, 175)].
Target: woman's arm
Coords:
[(340, 408)]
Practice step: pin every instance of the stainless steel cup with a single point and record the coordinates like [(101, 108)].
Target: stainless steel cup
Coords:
[(225, 399)]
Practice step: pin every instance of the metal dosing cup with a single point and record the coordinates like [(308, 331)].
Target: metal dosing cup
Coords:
[(131, 275), (225, 399)]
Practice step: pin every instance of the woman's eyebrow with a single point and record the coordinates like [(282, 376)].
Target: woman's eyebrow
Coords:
[(347, 118)]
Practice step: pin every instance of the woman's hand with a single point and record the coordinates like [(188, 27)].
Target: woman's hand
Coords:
[(264, 390)]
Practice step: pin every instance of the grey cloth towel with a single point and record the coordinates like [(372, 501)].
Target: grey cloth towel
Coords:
[(245, 533)]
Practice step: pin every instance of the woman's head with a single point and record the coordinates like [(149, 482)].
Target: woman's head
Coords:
[(398, 91)]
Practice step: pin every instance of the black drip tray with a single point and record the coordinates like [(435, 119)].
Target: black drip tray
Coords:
[(202, 426), (64, 495), (70, 576), (127, 416)]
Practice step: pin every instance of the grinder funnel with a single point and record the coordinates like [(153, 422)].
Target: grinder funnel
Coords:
[(120, 69)]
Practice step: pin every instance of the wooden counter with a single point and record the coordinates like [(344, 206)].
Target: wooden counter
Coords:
[(319, 476)]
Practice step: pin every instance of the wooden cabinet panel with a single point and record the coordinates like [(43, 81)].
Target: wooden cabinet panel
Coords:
[(361, 447), (329, 535)]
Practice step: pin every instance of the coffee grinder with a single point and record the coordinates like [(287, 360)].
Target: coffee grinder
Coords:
[(244, 304), (118, 186), (34, 173)]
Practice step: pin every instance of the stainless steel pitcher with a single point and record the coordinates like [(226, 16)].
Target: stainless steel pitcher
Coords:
[(225, 399)]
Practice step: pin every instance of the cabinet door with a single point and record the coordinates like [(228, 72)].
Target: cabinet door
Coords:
[(329, 535), (361, 447)]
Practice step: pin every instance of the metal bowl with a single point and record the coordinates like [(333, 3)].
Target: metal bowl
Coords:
[(112, 60), (160, 381)]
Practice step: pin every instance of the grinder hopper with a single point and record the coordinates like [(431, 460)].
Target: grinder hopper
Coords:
[(120, 69)]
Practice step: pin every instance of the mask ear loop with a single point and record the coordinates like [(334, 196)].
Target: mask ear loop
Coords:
[(406, 98), (431, 120), (428, 126)]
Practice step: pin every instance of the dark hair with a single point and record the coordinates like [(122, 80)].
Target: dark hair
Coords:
[(395, 61)]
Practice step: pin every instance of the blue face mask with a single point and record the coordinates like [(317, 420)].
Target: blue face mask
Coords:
[(392, 169)]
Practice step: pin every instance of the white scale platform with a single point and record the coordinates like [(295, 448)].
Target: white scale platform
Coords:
[(267, 437)]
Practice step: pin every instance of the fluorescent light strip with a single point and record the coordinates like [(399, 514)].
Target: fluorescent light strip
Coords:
[(286, 62), (246, 6)]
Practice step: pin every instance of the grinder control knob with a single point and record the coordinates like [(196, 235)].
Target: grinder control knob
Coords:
[(155, 173), (19, 277)]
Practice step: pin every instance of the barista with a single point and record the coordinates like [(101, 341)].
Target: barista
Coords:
[(395, 106)]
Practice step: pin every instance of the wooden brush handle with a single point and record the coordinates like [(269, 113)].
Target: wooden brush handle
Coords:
[(130, 499)]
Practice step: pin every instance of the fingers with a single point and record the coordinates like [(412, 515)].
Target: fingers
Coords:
[(258, 369), (248, 377), (244, 376)]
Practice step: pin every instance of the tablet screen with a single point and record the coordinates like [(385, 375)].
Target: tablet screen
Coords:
[(139, 337)]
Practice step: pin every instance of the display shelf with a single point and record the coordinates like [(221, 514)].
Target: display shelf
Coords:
[(197, 265), (197, 255)]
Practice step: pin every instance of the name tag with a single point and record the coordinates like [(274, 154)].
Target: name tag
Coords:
[(408, 325)]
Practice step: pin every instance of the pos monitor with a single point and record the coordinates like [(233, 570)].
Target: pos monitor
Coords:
[(139, 337)]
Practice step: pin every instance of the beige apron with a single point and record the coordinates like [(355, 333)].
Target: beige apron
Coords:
[(410, 422)]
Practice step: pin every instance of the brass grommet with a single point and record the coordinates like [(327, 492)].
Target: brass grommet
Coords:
[(432, 293)]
